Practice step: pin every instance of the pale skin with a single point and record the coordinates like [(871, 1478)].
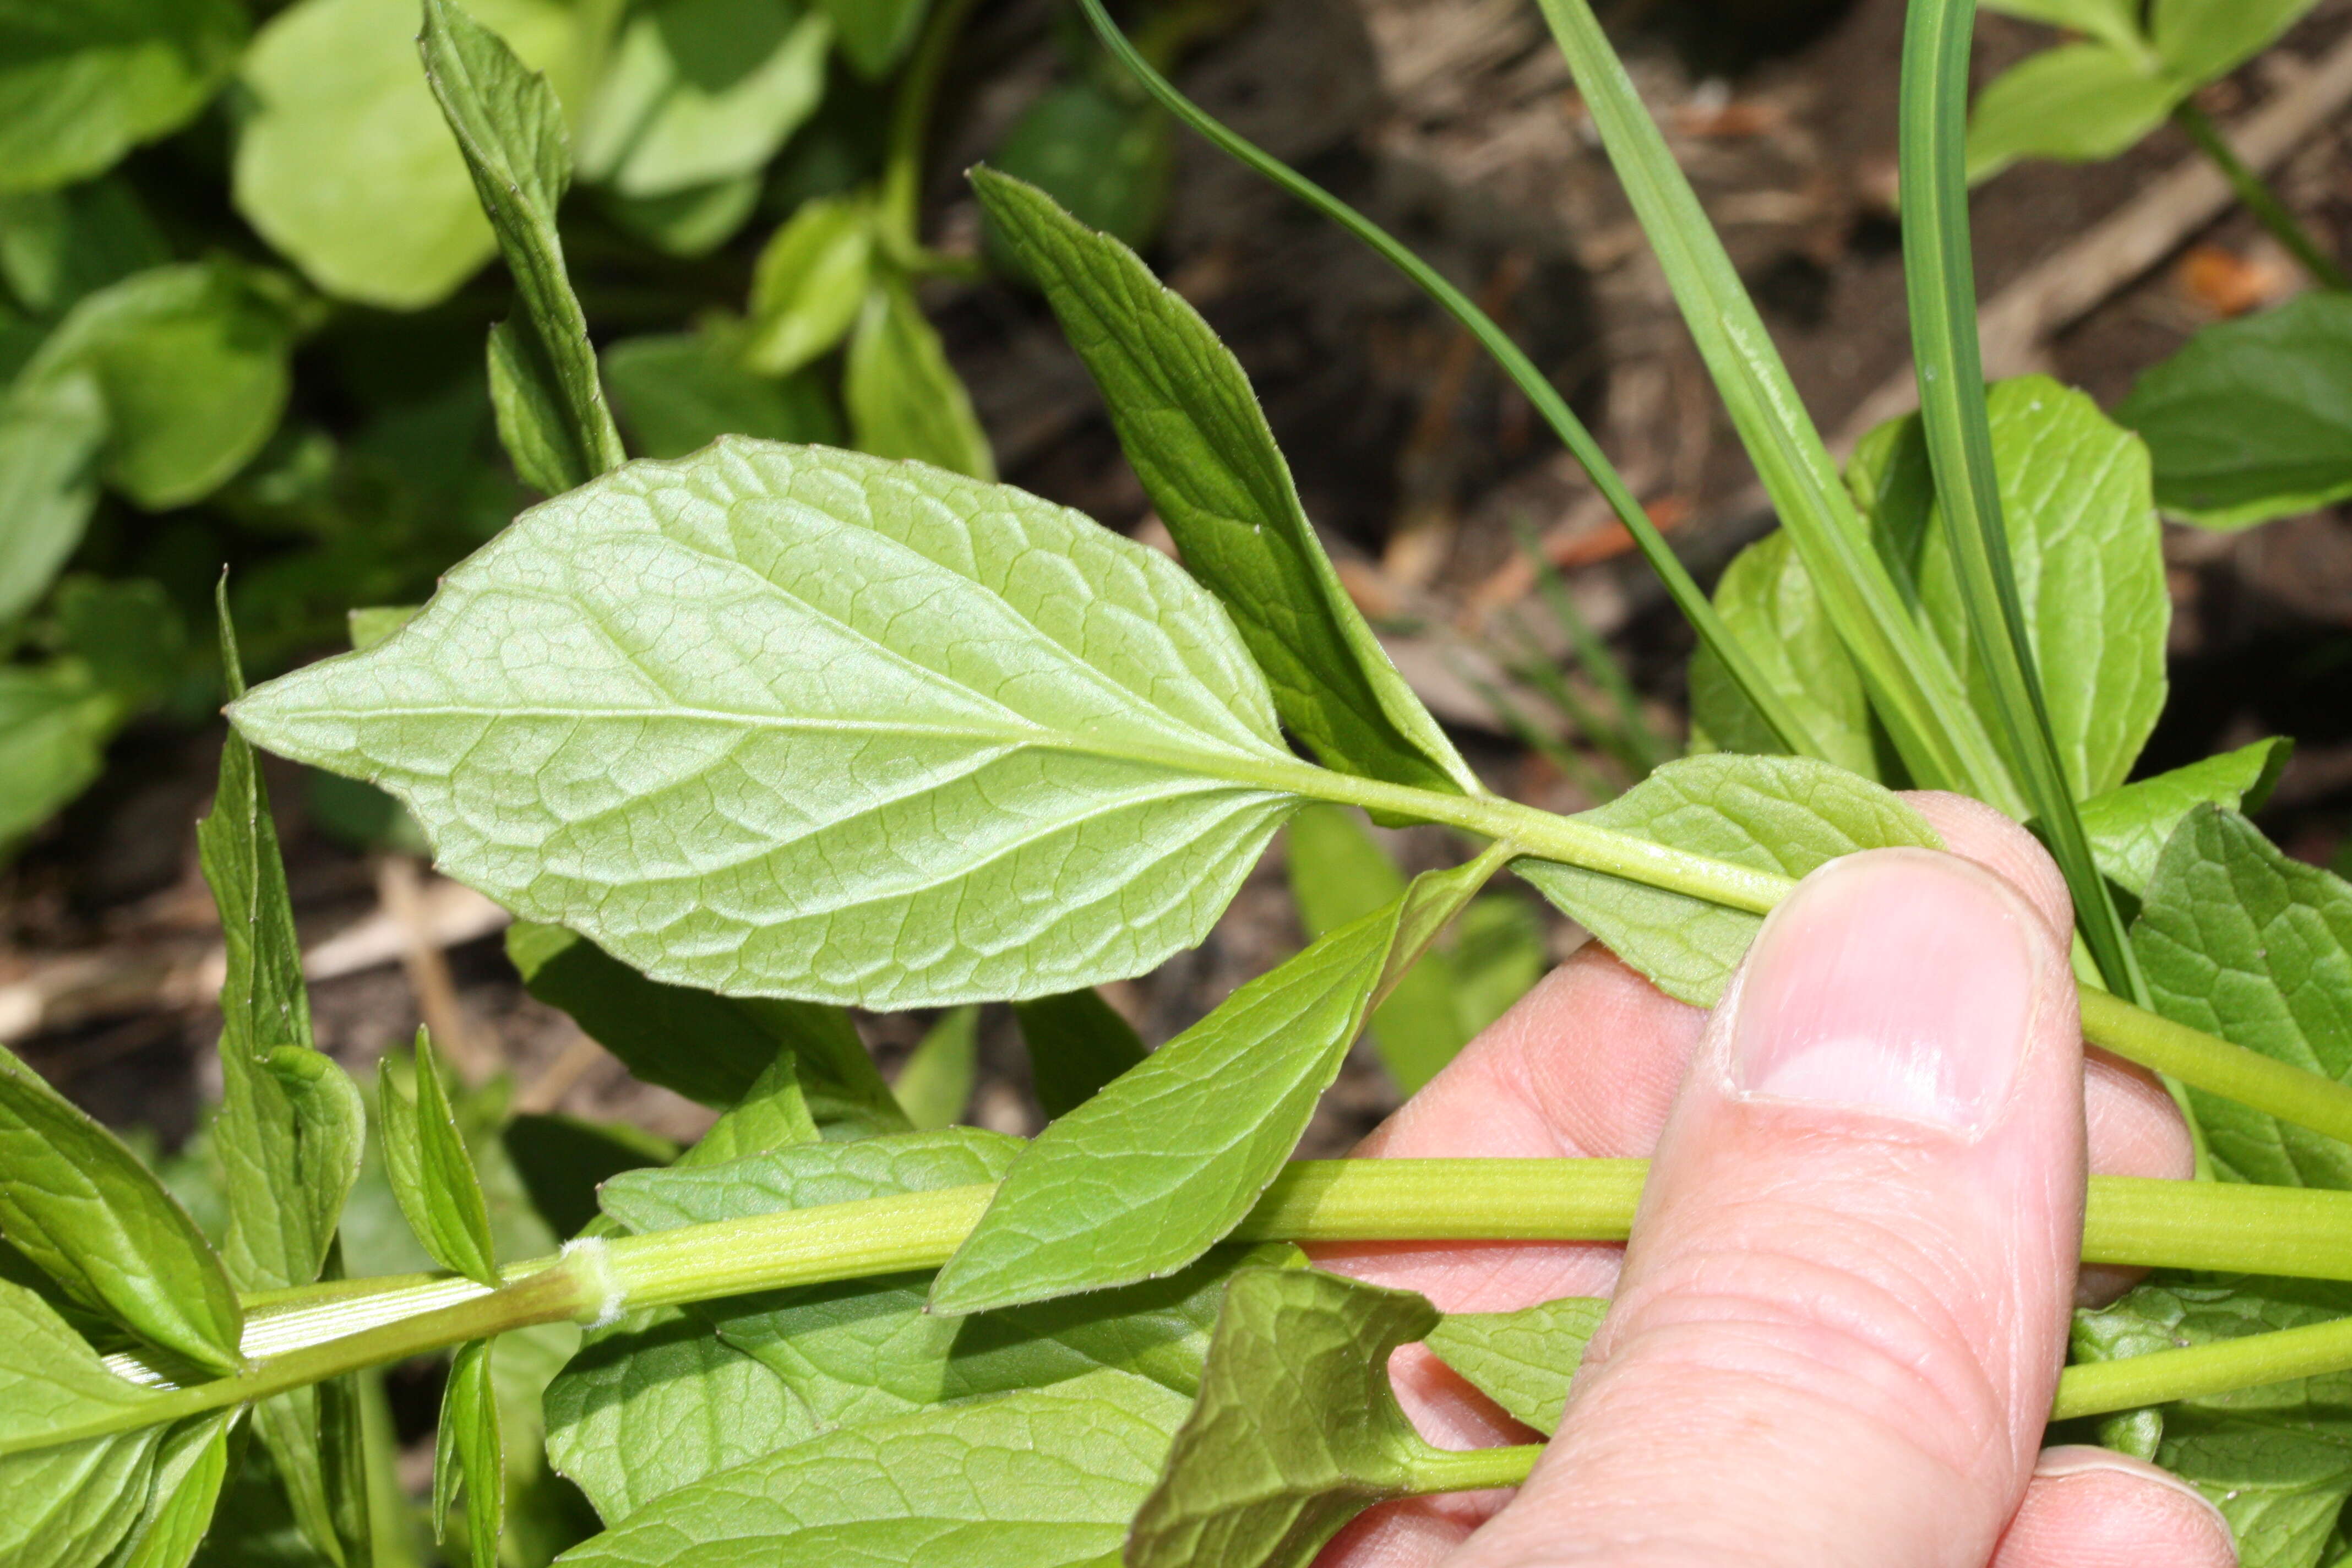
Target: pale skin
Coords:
[(1835, 1333)]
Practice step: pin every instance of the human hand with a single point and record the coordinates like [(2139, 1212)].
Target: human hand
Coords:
[(1836, 1331)]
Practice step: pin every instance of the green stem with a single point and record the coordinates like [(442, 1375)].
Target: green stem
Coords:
[(1471, 1469), (2254, 1361), (1940, 277), (2256, 195), (911, 126), (1532, 383), (304, 1336)]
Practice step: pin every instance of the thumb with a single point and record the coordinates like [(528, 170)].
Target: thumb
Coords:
[(1845, 1302)]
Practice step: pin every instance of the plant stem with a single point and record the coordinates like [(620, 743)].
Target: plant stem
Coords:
[(1472, 1469), (1532, 383), (2259, 199), (1940, 277), (911, 125), (2255, 1360)]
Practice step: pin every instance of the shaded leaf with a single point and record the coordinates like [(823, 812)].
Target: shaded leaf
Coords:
[(2253, 419), (935, 1085), (53, 721), (1042, 1478), (1787, 815), (1076, 1045), (82, 83), (562, 1158), (1768, 600), (873, 34), (189, 1466), (1104, 152), (469, 1450), (2205, 40), (994, 751), (1190, 426), (905, 400), (680, 392), (58, 246), (51, 434), (1523, 1361)]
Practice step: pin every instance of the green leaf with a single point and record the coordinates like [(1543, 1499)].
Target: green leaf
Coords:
[(189, 1466), (126, 631), (682, 391), (889, 792), (192, 361), (1158, 1167), (83, 83), (1295, 1430), (713, 1048), (806, 1176), (701, 90), (1339, 873), (1786, 814), (81, 1205), (1523, 1361), (2128, 825), (1103, 152), (371, 624), (432, 1174), (873, 34), (2253, 419), (811, 280), (2079, 102), (2117, 21), (63, 1505), (2205, 40), (347, 166), (1192, 429), (1768, 600), (655, 1403), (905, 400), (51, 434), (467, 1447), (58, 246), (292, 1128), (773, 1114), (691, 223), (1043, 1478), (2241, 940), (1077, 1044), (52, 724), (935, 1085), (2276, 1460), (550, 408)]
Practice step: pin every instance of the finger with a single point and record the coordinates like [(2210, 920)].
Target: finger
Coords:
[(1845, 1302), (2089, 1508)]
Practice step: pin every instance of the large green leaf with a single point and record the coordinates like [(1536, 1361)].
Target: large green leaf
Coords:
[(192, 361), (1768, 600), (50, 438), (2087, 553), (1295, 1429), (550, 408), (905, 400), (1161, 1165), (701, 90), (1786, 814), (2128, 825), (2205, 40), (77, 1202), (2276, 1460), (1043, 1478), (708, 1047), (1192, 429), (1523, 1361), (84, 81), (2253, 419), (681, 391), (2079, 102), (2242, 942), (63, 1505), (991, 750), (346, 165)]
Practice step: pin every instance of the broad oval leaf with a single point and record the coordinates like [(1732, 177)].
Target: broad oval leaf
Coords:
[(83, 81), (77, 1202), (793, 721), (1046, 1478), (2129, 825), (2253, 419), (2078, 102), (1786, 814), (1768, 599)]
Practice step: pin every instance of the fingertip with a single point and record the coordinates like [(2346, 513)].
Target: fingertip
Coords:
[(1975, 831), (2091, 1508)]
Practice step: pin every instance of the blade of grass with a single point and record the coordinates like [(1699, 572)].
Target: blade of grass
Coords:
[(1912, 684), (2257, 198), (1594, 654), (1535, 737), (1531, 382), (1537, 668), (1940, 278)]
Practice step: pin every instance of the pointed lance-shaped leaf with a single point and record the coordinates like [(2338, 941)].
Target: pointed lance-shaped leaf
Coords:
[(431, 1172), (1523, 1361), (468, 1454), (895, 737), (1191, 427), (551, 411)]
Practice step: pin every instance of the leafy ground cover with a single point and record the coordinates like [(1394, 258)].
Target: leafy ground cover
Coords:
[(752, 733)]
